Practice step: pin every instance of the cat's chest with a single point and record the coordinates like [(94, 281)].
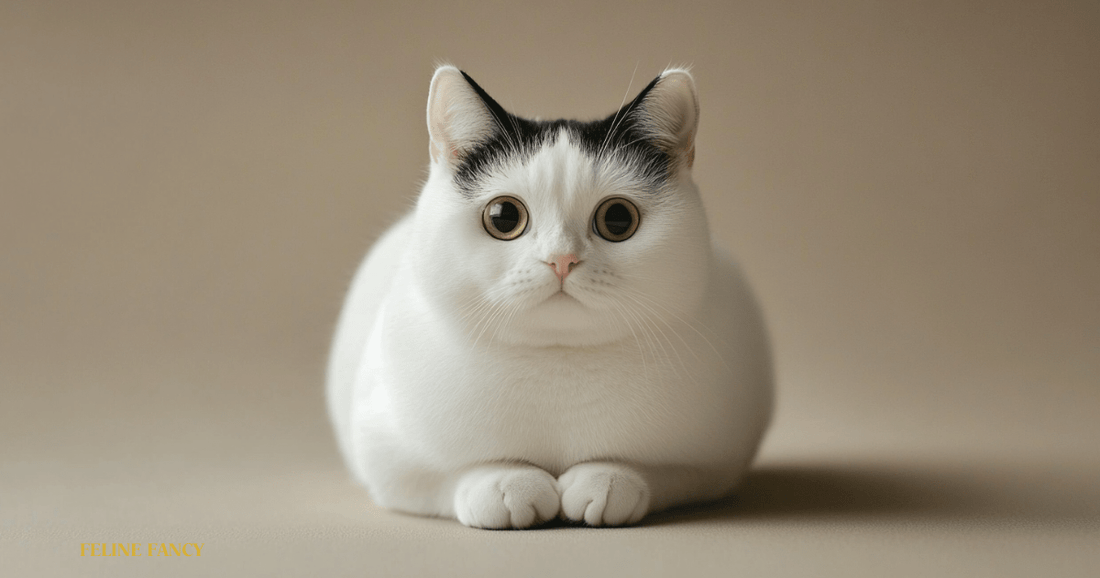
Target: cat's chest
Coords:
[(548, 406), (512, 382)]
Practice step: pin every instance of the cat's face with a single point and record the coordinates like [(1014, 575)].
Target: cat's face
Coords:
[(561, 233)]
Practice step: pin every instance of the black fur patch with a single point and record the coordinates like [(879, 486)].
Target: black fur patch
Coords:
[(519, 137)]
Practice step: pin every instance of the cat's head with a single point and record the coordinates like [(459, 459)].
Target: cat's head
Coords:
[(561, 232)]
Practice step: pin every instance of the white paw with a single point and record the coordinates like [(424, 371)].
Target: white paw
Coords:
[(506, 497), (603, 494)]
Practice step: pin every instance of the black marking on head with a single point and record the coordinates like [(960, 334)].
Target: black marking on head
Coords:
[(620, 135)]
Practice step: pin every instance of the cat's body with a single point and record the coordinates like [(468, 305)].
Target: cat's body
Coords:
[(550, 331)]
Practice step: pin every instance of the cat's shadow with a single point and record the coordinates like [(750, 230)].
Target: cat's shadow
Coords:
[(837, 492)]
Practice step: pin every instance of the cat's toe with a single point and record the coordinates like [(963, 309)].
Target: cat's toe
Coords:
[(603, 494), (506, 497)]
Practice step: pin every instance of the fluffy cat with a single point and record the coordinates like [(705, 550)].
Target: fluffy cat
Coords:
[(550, 331)]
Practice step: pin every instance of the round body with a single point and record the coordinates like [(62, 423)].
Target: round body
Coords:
[(478, 365)]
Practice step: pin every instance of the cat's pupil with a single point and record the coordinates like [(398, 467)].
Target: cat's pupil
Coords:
[(618, 219), (505, 216)]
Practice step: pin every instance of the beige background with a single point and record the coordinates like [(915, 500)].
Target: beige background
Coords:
[(912, 187)]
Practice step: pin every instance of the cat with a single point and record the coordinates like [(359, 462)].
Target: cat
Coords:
[(550, 332)]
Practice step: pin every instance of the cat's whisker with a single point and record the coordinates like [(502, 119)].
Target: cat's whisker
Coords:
[(611, 130), (652, 336), (638, 277), (492, 318), (505, 310), (634, 142), (655, 317), (515, 127), (511, 310), (691, 326), (641, 352), (473, 309), (471, 304), (489, 301), (635, 298), (656, 332)]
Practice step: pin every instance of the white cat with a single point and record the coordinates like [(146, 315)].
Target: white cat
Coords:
[(550, 332)]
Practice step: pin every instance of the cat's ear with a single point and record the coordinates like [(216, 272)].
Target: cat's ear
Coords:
[(458, 119), (670, 115)]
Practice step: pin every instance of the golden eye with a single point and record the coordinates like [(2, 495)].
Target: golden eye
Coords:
[(505, 218), (616, 219)]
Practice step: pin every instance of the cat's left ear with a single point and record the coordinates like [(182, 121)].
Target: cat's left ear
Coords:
[(458, 117), (670, 115)]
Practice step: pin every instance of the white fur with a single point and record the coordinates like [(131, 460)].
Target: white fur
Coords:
[(462, 384)]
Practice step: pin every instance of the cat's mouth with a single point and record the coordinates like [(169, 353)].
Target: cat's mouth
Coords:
[(562, 297)]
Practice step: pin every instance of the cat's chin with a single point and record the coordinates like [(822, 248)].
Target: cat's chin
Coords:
[(563, 320)]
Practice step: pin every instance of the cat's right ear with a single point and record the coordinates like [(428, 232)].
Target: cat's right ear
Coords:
[(458, 119)]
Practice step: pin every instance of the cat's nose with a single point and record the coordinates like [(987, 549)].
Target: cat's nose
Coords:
[(563, 265)]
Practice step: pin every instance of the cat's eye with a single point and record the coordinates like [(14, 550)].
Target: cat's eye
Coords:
[(616, 219), (505, 218)]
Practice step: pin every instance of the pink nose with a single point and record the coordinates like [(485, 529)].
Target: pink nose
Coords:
[(563, 265)]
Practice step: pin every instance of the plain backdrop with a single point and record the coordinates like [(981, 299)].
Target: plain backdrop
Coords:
[(912, 187)]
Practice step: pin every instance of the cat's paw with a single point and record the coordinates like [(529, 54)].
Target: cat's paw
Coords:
[(603, 494), (506, 497)]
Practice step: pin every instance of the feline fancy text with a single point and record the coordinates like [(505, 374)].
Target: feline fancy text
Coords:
[(187, 549)]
